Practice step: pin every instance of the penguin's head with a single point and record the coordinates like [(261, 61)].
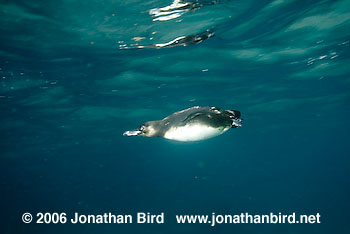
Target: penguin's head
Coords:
[(148, 129)]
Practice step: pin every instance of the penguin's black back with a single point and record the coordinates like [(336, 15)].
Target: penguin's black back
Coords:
[(211, 116)]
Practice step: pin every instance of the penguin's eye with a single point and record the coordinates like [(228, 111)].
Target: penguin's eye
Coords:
[(142, 128)]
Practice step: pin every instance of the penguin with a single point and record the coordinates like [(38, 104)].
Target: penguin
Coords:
[(193, 124)]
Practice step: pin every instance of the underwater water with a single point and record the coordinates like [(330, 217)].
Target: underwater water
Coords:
[(76, 74)]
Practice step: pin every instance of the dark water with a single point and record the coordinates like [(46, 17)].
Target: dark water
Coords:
[(72, 80)]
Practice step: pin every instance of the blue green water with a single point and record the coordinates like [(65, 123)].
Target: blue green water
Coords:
[(72, 80)]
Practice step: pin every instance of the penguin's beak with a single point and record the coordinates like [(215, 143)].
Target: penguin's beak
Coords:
[(132, 133)]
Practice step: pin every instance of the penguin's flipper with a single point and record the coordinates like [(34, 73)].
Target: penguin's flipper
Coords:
[(192, 117)]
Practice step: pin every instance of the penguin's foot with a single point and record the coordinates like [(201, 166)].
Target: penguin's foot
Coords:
[(132, 133), (236, 123)]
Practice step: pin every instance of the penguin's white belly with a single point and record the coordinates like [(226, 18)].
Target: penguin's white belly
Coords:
[(193, 132)]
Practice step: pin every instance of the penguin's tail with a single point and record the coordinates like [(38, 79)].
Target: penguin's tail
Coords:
[(234, 114), (236, 118)]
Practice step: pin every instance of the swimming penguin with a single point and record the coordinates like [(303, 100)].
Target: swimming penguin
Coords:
[(192, 124)]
